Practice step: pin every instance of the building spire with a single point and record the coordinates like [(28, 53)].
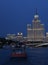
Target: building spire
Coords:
[(36, 12), (36, 16)]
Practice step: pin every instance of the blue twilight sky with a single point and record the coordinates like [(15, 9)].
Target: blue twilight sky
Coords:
[(16, 14)]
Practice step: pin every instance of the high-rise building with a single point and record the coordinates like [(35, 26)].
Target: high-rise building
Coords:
[(36, 31)]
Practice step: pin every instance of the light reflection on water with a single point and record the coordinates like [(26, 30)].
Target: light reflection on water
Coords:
[(35, 56)]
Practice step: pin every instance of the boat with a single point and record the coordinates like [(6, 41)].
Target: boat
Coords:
[(19, 51)]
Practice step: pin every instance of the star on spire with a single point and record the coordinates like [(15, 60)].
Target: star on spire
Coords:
[(36, 16)]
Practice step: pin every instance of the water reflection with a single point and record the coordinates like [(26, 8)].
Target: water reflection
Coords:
[(35, 56)]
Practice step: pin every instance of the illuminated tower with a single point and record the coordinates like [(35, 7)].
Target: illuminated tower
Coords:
[(37, 29), (36, 32)]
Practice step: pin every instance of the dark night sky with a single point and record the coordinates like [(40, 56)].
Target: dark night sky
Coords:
[(16, 14)]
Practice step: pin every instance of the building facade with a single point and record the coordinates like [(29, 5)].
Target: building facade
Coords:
[(11, 37), (14, 37), (35, 32)]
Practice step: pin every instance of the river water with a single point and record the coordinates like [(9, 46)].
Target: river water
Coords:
[(35, 56)]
